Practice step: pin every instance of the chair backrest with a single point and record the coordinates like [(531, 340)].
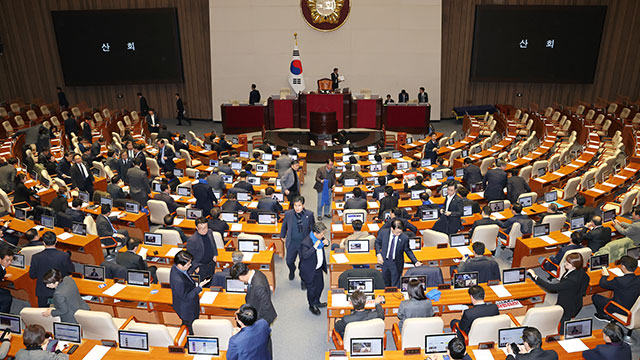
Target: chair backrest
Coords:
[(454, 155), (7, 205), (606, 125), (485, 329), (91, 225), (433, 238), (220, 328), (134, 115), (627, 203), (363, 329), (634, 322), (169, 237), (157, 211), (185, 155), (164, 275), (152, 165), (415, 329), (580, 110), (590, 114), (32, 316), (548, 111), (260, 239), (28, 252), (354, 211), (541, 164), (217, 237), (158, 334), (612, 108), (599, 119), (514, 234), (18, 119), (544, 318), (571, 188), (625, 113), (97, 325), (486, 234), (556, 222), (525, 172), (7, 127), (486, 164), (585, 252), (32, 115), (98, 165)]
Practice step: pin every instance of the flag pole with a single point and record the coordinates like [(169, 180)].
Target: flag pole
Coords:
[(295, 36)]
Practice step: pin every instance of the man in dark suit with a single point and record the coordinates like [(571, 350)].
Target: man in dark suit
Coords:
[(168, 225), (391, 244), (63, 169), (180, 111), (472, 174), (115, 190), (254, 95), (232, 204), (388, 100), (400, 214), (123, 165), (579, 209), (215, 181), (486, 220), (613, 348), (313, 265), (6, 257), (526, 224), (105, 227), (382, 182), (205, 198), (487, 267), (403, 96), (268, 202), (297, 225), (62, 99), (358, 301), (258, 293), (494, 182), (184, 290), (139, 187), (516, 185), (335, 79), (216, 223), (596, 235), (112, 160), (457, 350), (479, 309), (225, 168), (388, 202), (131, 260), (423, 97), (431, 149), (349, 173), (75, 212), (168, 135), (86, 130), (47, 259), (203, 246), (81, 176), (165, 195), (626, 288), (449, 221), (253, 341), (325, 180), (165, 156), (415, 187), (144, 107), (532, 347), (140, 155), (243, 184), (290, 182), (71, 127), (356, 202)]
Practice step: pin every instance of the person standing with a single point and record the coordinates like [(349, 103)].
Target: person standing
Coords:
[(516, 186), (203, 246), (71, 127), (254, 338), (335, 79), (494, 182), (258, 292), (165, 156), (138, 183), (403, 96), (391, 245), (45, 260), (180, 111), (290, 182), (153, 122), (203, 193), (325, 180), (449, 221), (105, 227), (431, 149), (313, 265), (254, 95), (471, 173), (184, 290), (144, 107), (66, 297), (423, 97), (297, 224), (6, 257), (62, 99), (81, 177)]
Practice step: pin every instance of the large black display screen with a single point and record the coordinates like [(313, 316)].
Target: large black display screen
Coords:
[(119, 46), (554, 44)]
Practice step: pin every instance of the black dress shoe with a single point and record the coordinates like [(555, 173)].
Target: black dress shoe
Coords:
[(322, 305), (328, 216), (314, 310), (292, 275), (303, 286), (319, 218)]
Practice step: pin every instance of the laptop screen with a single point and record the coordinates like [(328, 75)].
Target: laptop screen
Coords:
[(279, 197), (437, 343), (375, 167), (525, 201), (138, 277), (404, 281), (67, 332), (178, 172), (10, 321), (106, 201), (513, 276), (253, 180), (93, 272), (47, 221), (236, 166), (467, 210), (350, 182), (415, 194), (132, 207), (371, 148), (403, 165), (262, 168), (267, 157), (194, 213), (477, 187), (540, 230), (429, 214), (228, 179), (18, 261), (230, 217), (184, 191), (577, 328), (415, 243), (244, 154), (598, 261), (249, 245), (437, 175), (551, 196), (363, 284), (213, 162), (358, 246), (20, 214), (425, 162), (133, 340), (510, 336), (152, 239), (396, 154), (350, 217), (243, 196), (267, 218), (156, 186), (203, 345), (234, 286), (496, 206), (366, 347), (459, 239), (465, 279), (465, 153), (84, 196), (577, 223), (78, 228), (608, 215)]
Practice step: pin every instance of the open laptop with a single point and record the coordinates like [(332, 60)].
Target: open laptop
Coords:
[(437, 175), (375, 167), (194, 214), (47, 221), (156, 186), (598, 261), (467, 210), (132, 207), (513, 276), (415, 243), (366, 347), (138, 277), (133, 340), (540, 230), (461, 239), (183, 191), (94, 272), (253, 180), (249, 245), (477, 187), (496, 206), (11, 322), (18, 261), (364, 284), (396, 155), (358, 246), (542, 171), (402, 165), (261, 168), (229, 216), (429, 214), (67, 332), (243, 196), (415, 194), (84, 196), (510, 336), (526, 201), (79, 228), (267, 218), (235, 286), (350, 217), (425, 162), (404, 281), (203, 345), (577, 223), (152, 239), (236, 166), (267, 157), (279, 197), (178, 172), (350, 182), (578, 328), (608, 215), (20, 214), (434, 344), (551, 196), (465, 280), (459, 173)]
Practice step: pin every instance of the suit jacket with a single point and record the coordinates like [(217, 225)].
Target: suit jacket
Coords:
[(245, 186), (406, 225), (268, 204), (46, 260), (123, 167), (144, 107), (7, 174), (254, 97), (477, 311), (472, 175), (59, 203), (131, 260), (495, 180), (115, 191), (169, 154), (387, 203), (334, 81), (563, 250), (451, 224), (104, 226), (516, 185), (362, 315), (597, 237), (413, 308), (487, 268), (112, 163), (429, 151), (179, 106), (70, 126), (483, 221), (63, 168), (215, 181), (402, 246), (619, 351), (86, 131), (218, 225), (140, 155), (67, 300), (526, 224), (252, 342), (233, 205), (626, 289), (76, 215), (309, 260), (283, 163), (632, 231), (321, 174), (95, 149), (195, 246), (571, 288), (535, 354), (166, 134), (586, 211), (79, 180), (139, 185), (350, 174), (290, 221), (288, 181), (423, 97), (171, 204), (184, 293), (403, 97), (356, 203), (153, 122), (259, 296)]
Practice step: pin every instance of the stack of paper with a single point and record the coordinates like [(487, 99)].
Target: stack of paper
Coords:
[(336, 227), (247, 256), (236, 227), (482, 354), (548, 240), (114, 289), (97, 353), (498, 216), (616, 272), (339, 300), (340, 258), (208, 297), (171, 253), (567, 233), (373, 227), (464, 250), (177, 221), (253, 204), (500, 290), (573, 345), (143, 252), (372, 204), (65, 236)]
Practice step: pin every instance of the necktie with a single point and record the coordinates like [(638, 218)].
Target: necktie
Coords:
[(110, 224), (392, 248), (83, 170), (448, 203)]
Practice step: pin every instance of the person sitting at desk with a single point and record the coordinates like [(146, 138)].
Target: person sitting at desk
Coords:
[(382, 181), (418, 305), (253, 341), (456, 349), (165, 196), (613, 348), (400, 214), (415, 165), (426, 205), (6, 257), (36, 341), (626, 288), (75, 212), (417, 186), (349, 173), (131, 260), (356, 202), (232, 204), (532, 347), (388, 100), (391, 179), (358, 301), (66, 297), (33, 239), (579, 209), (479, 309), (487, 268), (243, 184), (388, 202), (464, 193), (105, 226), (220, 278), (516, 185), (181, 143), (486, 220), (358, 234), (471, 173), (440, 164), (216, 223), (268, 202), (47, 161), (526, 224), (115, 188), (632, 231), (403, 96), (168, 225), (60, 203), (23, 193), (552, 209), (596, 235), (575, 243), (223, 144)]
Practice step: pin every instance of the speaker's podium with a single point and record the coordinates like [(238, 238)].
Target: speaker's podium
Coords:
[(323, 123)]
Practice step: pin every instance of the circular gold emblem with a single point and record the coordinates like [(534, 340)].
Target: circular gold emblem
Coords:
[(325, 15)]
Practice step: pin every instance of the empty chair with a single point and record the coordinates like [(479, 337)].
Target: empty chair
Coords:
[(570, 188), (152, 166), (525, 172), (630, 319), (157, 211), (159, 335), (19, 121), (605, 128), (220, 328), (373, 328), (32, 316), (556, 222), (414, 331), (485, 329), (612, 108), (543, 318), (169, 237), (190, 163), (486, 234), (486, 164), (625, 206), (98, 325), (163, 274), (433, 238), (535, 170), (7, 127), (512, 236)]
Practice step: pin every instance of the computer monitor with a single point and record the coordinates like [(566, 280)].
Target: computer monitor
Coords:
[(396, 155), (184, 191), (106, 201), (348, 196), (207, 147), (459, 239), (350, 182), (371, 148), (459, 173), (243, 196), (634, 252), (234, 286), (152, 239), (244, 154), (598, 261), (262, 168), (20, 214), (12, 322), (178, 172), (236, 166), (402, 165), (513, 276), (47, 221), (213, 163), (350, 217), (434, 344), (451, 141), (591, 183), (84, 196), (608, 215), (132, 207), (194, 213), (465, 153), (45, 182), (249, 245), (513, 156), (203, 345), (425, 162), (364, 284), (540, 230), (465, 279), (437, 175), (267, 218), (156, 186), (578, 328), (229, 216), (94, 272), (526, 201), (366, 347), (67, 332), (234, 141), (577, 223), (279, 184), (542, 171), (138, 277), (404, 281), (415, 194), (133, 340), (358, 246), (279, 197), (415, 243), (551, 196), (18, 261), (510, 336), (94, 171), (477, 187), (267, 157), (253, 180), (429, 214), (467, 210), (371, 157), (375, 167), (496, 206)]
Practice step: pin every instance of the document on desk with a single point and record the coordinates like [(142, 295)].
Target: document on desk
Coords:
[(177, 221), (500, 290), (202, 357), (463, 250), (336, 227), (557, 173), (548, 240), (482, 354), (247, 256), (373, 173), (97, 352), (143, 252), (208, 297), (373, 227), (372, 204), (253, 204), (236, 227), (175, 197), (114, 289), (498, 216), (458, 307), (597, 190), (573, 345), (337, 189), (172, 252), (65, 235), (340, 258), (567, 233), (339, 300)]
